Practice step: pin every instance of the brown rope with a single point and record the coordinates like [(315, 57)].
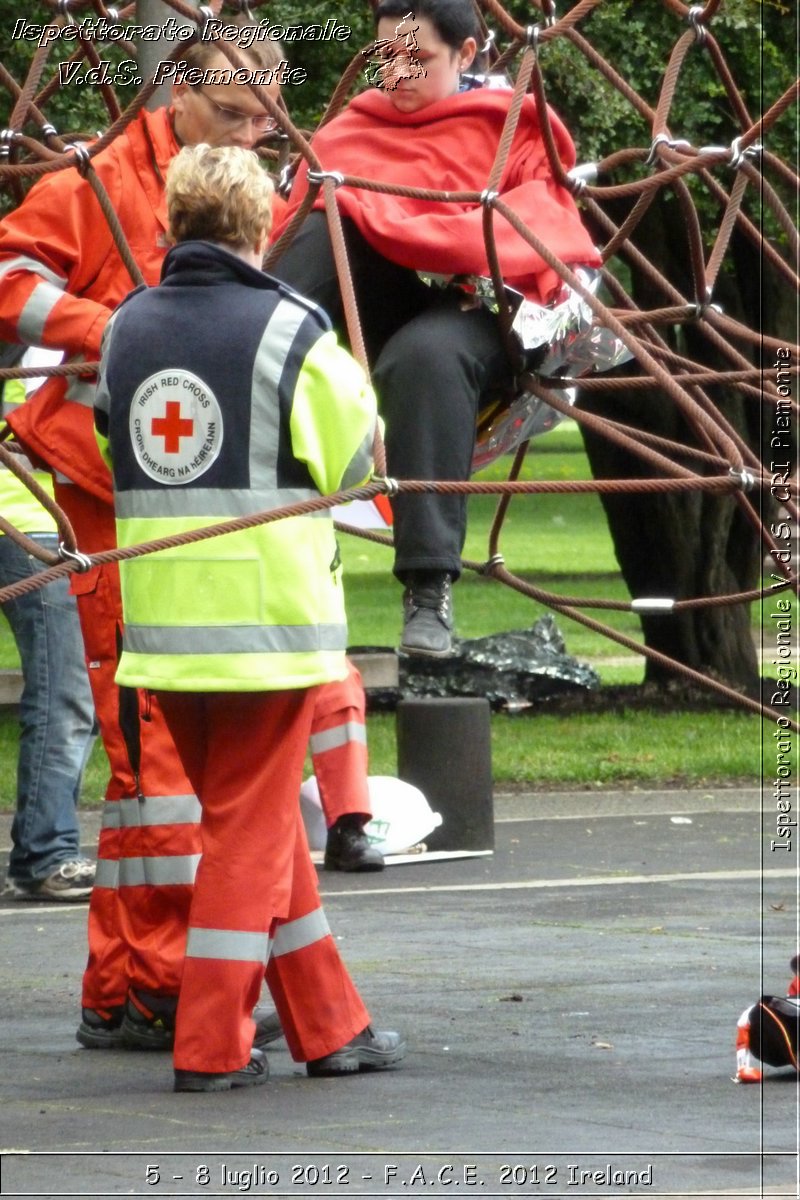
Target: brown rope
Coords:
[(721, 457)]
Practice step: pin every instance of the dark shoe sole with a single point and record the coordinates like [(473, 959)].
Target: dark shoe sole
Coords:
[(78, 897), (360, 1058), (144, 1037), (341, 864), (418, 652), (199, 1081), (99, 1039)]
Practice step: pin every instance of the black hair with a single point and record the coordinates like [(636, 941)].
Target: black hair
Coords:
[(453, 20)]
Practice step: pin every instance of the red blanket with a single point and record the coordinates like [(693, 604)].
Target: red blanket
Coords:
[(451, 145)]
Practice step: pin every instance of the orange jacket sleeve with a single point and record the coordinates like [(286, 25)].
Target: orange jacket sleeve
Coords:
[(51, 248)]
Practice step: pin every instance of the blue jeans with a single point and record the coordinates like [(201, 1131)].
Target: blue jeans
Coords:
[(56, 717)]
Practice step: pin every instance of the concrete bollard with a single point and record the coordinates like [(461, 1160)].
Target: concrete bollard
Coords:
[(444, 749)]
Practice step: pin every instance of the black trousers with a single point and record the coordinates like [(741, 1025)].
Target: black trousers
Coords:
[(432, 365)]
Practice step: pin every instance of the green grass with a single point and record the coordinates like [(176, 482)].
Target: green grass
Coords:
[(94, 780), (612, 749), (560, 543)]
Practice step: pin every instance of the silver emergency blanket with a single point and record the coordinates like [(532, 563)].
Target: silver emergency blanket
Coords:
[(575, 343), (562, 338), (514, 671)]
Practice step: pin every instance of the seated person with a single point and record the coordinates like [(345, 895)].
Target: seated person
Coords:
[(435, 354)]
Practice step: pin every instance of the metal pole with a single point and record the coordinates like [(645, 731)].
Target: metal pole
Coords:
[(155, 12)]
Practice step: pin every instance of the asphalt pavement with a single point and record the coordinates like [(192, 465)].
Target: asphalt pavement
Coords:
[(570, 1003)]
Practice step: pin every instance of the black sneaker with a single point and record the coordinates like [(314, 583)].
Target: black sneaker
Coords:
[(256, 1072), (370, 1050), (348, 848), (427, 615), (268, 1026), (101, 1029), (70, 881), (149, 1021)]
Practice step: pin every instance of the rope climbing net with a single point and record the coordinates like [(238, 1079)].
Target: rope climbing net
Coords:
[(712, 456)]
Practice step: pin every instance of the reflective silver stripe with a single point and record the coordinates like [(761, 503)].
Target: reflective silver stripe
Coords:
[(112, 816), (160, 810), (153, 810), (360, 464), (37, 308), (151, 872), (268, 368), (158, 872), (295, 935), (107, 873), (234, 639), (214, 503), (22, 262), (80, 390), (231, 944), (338, 735)]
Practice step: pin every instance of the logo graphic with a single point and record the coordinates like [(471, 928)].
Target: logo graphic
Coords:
[(175, 426), (393, 58)]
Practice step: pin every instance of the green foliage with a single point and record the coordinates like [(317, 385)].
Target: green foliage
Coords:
[(636, 37), (72, 109), (323, 61)]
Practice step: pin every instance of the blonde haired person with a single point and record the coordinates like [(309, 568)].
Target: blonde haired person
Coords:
[(222, 392), (227, 198), (62, 277), (219, 196)]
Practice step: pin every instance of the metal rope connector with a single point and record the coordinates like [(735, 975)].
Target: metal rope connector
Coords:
[(661, 139), (63, 11), (714, 150), (7, 139), (497, 560), (112, 14), (693, 17), (700, 307), (549, 12), (745, 479), (487, 45), (390, 486), (49, 130), (206, 13), (653, 604), (84, 563), (285, 180), (489, 197), (532, 37), (320, 176), (581, 176), (738, 155), (83, 159)]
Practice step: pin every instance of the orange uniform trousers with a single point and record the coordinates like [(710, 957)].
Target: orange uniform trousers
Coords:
[(256, 909), (150, 836), (339, 748)]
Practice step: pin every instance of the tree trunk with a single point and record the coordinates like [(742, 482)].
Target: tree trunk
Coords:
[(695, 544)]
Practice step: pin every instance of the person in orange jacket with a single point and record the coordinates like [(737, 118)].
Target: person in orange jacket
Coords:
[(62, 275)]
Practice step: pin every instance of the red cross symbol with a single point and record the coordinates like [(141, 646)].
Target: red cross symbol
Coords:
[(172, 427)]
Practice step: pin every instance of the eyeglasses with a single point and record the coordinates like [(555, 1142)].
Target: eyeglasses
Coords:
[(232, 118)]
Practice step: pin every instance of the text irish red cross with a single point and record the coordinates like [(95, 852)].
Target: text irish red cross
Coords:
[(172, 427)]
